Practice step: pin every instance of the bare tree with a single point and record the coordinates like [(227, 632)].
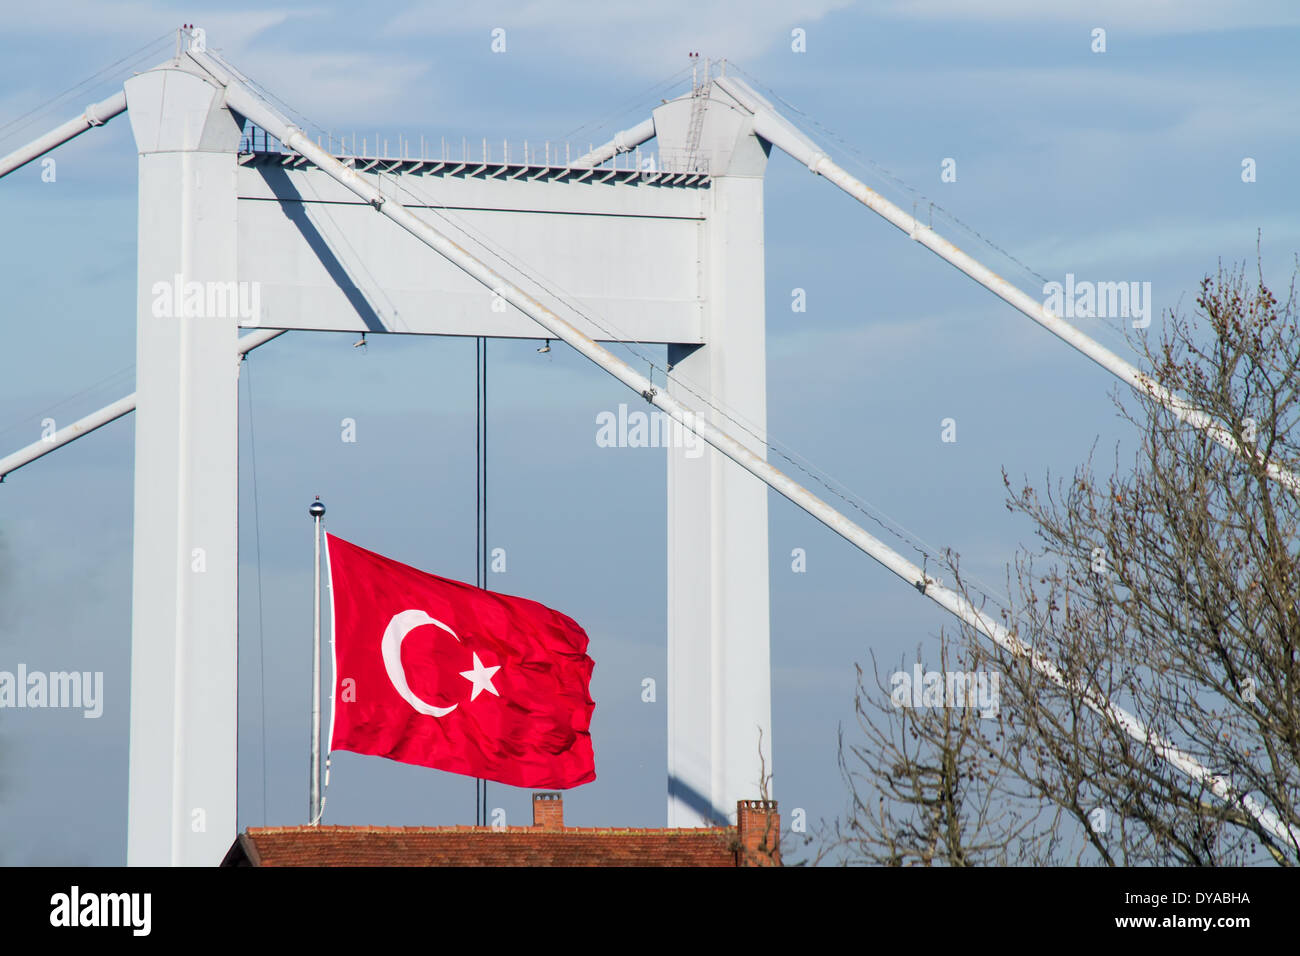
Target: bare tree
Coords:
[(930, 782), (1171, 587), (768, 850)]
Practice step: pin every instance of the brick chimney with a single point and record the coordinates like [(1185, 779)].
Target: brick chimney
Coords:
[(759, 824), (548, 811)]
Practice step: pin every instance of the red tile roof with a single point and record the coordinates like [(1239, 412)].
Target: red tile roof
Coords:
[(483, 846)]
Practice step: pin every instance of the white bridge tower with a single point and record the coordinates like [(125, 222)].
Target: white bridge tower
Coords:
[(665, 253)]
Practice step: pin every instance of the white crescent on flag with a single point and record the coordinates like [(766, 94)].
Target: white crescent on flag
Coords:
[(402, 624)]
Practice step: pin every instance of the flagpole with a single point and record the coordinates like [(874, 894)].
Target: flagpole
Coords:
[(480, 495), (317, 512)]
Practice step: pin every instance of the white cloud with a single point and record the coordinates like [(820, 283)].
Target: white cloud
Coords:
[(328, 84), (1137, 248), (873, 346), (329, 87), (1186, 107), (1149, 16), (634, 36), (140, 19)]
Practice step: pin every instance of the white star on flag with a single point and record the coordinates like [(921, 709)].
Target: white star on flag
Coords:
[(481, 678)]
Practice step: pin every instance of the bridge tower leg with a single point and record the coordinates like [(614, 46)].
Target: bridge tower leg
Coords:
[(184, 637), (719, 662)]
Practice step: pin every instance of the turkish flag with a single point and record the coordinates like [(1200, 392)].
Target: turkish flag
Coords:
[(442, 674)]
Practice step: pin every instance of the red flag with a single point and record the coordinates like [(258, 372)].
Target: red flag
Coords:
[(442, 674)]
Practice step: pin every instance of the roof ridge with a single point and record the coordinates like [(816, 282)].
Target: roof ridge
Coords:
[(335, 829)]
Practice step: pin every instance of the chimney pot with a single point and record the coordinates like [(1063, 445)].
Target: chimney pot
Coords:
[(548, 810), (759, 826)]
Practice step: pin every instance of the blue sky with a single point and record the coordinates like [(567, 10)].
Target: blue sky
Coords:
[(1115, 166)]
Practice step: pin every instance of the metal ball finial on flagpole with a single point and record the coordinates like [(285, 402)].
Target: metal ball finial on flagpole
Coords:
[(317, 512)]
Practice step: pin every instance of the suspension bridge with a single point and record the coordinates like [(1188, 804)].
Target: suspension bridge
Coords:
[(250, 227)]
